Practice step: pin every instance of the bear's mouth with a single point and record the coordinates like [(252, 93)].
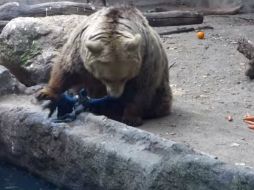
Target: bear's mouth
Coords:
[(115, 92)]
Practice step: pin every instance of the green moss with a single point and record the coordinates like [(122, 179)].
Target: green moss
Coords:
[(30, 53), (8, 54)]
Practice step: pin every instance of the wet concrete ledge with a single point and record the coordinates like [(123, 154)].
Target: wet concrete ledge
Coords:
[(96, 153)]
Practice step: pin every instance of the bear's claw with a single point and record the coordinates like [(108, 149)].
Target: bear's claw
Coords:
[(45, 94)]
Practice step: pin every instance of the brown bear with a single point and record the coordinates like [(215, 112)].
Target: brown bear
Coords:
[(115, 52)]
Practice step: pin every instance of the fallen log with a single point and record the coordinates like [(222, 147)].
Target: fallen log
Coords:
[(246, 47), (177, 31), (185, 29), (222, 11), (12, 10), (174, 18)]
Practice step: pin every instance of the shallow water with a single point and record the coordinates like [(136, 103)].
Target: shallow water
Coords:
[(12, 178)]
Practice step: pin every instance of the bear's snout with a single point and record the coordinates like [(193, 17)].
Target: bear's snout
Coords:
[(115, 91)]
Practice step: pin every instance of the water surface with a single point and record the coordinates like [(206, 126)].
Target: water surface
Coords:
[(13, 178)]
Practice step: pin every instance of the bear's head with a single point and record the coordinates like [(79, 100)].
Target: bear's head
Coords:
[(113, 61)]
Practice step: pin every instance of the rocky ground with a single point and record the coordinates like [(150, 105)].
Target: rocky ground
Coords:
[(209, 85)]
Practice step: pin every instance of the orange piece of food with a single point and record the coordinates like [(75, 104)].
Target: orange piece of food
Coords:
[(200, 35)]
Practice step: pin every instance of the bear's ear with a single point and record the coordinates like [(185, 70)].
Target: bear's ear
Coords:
[(133, 44), (93, 46)]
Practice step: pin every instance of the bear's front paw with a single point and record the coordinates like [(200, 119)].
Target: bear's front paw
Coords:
[(132, 121), (46, 94)]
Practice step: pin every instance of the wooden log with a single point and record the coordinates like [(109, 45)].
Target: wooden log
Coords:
[(222, 11), (174, 18), (8, 9), (177, 31), (12, 10), (185, 29)]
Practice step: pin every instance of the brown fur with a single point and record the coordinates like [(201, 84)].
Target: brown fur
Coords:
[(146, 94)]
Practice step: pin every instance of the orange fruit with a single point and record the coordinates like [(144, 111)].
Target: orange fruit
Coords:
[(200, 35)]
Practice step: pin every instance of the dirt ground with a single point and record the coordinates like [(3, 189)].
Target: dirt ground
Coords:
[(209, 84)]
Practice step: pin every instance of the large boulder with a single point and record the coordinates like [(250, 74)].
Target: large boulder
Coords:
[(29, 45)]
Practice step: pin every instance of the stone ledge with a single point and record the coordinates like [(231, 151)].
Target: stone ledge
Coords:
[(97, 153)]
